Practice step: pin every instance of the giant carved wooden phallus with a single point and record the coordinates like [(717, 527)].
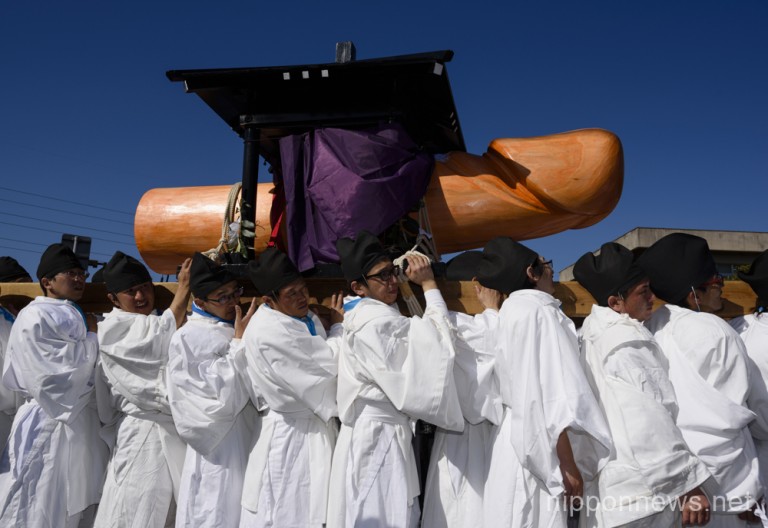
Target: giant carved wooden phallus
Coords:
[(522, 188)]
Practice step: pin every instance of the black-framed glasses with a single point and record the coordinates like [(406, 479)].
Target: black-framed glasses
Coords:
[(228, 297), (385, 275), (538, 263)]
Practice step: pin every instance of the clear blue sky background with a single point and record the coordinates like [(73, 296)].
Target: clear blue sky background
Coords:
[(87, 114)]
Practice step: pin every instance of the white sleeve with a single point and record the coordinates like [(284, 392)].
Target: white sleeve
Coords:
[(52, 358), (134, 356), (411, 360), (547, 392), (474, 369), (434, 299), (205, 389), (7, 396), (290, 366)]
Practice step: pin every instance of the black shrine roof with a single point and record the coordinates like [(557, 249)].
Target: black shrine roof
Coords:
[(413, 90)]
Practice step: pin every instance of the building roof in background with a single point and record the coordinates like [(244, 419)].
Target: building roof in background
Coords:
[(730, 248)]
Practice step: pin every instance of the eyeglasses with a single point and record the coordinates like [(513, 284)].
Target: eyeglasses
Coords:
[(72, 274), (385, 275), (716, 280), (228, 297), (538, 263)]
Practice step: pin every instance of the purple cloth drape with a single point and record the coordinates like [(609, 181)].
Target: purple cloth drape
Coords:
[(338, 182)]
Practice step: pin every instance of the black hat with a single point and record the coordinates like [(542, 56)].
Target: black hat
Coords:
[(272, 271), (358, 256), (55, 259), (504, 265), (205, 276), (123, 272), (98, 276), (10, 270), (463, 267), (608, 273), (757, 276), (676, 263)]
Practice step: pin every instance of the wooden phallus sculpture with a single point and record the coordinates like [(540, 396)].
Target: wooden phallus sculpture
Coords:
[(522, 188)]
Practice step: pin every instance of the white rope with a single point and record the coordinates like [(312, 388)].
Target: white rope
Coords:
[(424, 239), (405, 288), (231, 215), (426, 244)]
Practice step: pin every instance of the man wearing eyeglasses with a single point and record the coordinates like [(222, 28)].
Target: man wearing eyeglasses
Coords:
[(708, 368), (392, 369), (147, 454), (53, 469), (209, 398), (292, 364)]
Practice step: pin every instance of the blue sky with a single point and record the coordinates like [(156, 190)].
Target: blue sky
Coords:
[(88, 116)]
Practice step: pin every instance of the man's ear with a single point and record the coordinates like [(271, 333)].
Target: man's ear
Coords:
[(113, 299), (268, 300), (199, 302), (358, 288), (615, 303), (531, 277), (45, 282)]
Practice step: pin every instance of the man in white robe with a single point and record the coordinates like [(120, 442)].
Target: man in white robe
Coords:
[(553, 434), (392, 369), (459, 462), (753, 329), (144, 470), (709, 372), (56, 460), (10, 271), (652, 479), (292, 364), (209, 399)]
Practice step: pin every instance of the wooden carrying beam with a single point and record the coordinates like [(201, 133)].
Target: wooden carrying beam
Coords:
[(460, 296)]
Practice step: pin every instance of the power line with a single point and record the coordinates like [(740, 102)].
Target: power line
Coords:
[(37, 206), (38, 195), (21, 249), (59, 232), (45, 245), (23, 242), (65, 224)]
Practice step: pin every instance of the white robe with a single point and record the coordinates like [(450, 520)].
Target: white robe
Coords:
[(753, 330), (708, 369), (651, 465), (145, 467), (9, 400), (392, 369), (545, 392), (458, 465), (286, 481), (209, 403), (57, 459)]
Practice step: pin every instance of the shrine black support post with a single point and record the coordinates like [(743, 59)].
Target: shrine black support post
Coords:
[(250, 184)]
